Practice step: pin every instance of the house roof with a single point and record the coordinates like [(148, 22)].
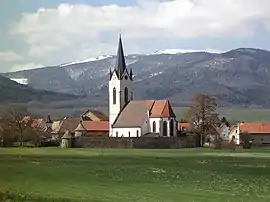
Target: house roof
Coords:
[(37, 123), (70, 124), (96, 115), (96, 126), (136, 112), (80, 127), (254, 128), (182, 125)]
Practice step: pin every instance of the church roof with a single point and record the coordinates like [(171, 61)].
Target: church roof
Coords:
[(161, 108), (136, 112), (120, 65), (133, 115)]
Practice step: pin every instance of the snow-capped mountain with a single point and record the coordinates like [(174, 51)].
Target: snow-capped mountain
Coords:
[(235, 77)]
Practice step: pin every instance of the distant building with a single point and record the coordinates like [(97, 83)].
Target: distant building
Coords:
[(258, 132), (135, 118)]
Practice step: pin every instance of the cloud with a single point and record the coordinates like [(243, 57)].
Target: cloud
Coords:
[(25, 66), (76, 31), (10, 56)]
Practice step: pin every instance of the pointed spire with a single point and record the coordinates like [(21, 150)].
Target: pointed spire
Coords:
[(120, 65), (48, 120), (131, 74), (110, 74)]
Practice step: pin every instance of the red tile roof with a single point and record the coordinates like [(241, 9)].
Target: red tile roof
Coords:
[(96, 125), (182, 126), (255, 128), (161, 108)]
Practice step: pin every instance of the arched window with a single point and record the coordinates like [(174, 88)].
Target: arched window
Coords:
[(129, 134), (116, 133), (126, 94), (154, 127), (137, 133), (171, 128), (114, 96), (165, 128)]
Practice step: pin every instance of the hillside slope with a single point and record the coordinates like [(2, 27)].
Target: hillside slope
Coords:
[(11, 91), (237, 77)]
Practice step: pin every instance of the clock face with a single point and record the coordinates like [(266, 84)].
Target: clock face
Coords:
[(126, 77)]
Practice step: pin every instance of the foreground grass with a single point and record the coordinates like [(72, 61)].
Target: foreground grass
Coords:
[(103, 175)]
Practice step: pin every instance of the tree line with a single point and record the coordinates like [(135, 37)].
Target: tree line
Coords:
[(15, 131)]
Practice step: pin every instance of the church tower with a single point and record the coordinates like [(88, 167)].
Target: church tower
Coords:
[(120, 86)]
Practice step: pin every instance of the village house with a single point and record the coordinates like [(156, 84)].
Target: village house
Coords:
[(258, 132), (135, 118), (92, 129)]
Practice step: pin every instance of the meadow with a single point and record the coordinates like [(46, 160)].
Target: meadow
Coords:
[(123, 175)]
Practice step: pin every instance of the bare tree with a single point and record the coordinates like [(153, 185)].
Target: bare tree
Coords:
[(203, 116), (16, 115)]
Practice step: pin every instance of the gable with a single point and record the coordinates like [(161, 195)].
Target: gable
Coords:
[(95, 115), (162, 108)]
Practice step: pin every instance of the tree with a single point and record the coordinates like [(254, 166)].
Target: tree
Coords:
[(203, 116), (7, 136), (16, 114), (224, 121)]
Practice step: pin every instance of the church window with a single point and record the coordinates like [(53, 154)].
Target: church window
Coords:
[(137, 133), (126, 94), (154, 127), (171, 128), (116, 133), (165, 128), (114, 96)]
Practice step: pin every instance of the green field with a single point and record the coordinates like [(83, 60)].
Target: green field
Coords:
[(103, 175)]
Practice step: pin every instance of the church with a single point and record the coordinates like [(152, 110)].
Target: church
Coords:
[(129, 117)]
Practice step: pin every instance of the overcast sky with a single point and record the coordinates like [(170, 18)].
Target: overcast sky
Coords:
[(36, 33)]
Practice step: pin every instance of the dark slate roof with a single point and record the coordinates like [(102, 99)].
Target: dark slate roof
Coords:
[(120, 65), (134, 114)]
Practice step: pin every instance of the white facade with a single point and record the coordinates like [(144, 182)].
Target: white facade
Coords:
[(234, 134), (224, 132), (148, 127), (118, 87), (126, 132)]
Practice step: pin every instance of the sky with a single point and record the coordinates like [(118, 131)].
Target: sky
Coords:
[(38, 33)]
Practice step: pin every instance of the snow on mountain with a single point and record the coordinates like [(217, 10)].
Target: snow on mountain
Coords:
[(87, 60), (22, 81), (181, 51)]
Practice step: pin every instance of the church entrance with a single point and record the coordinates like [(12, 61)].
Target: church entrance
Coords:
[(165, 128)]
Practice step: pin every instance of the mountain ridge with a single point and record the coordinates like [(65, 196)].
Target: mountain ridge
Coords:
[(12, 92), (236, 77)]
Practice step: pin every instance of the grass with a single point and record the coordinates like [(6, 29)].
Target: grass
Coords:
[(103, 175)]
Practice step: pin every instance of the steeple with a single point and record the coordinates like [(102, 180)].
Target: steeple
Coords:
[(120, 65)]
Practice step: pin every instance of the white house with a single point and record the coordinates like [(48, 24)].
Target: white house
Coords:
[(135, 118), (224, 131)]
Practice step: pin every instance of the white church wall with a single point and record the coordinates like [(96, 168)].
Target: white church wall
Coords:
[(168, 120), (158, 126), (145, 126), (126, 132)]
